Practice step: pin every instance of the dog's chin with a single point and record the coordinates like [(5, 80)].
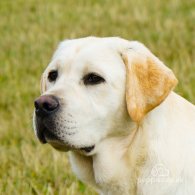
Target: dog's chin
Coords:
[(56, 142), (88, 150), (58, 145), (85, 150)]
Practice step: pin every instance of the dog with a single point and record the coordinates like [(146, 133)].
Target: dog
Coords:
[(110, 102)]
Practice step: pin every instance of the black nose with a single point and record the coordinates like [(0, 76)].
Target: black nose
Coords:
[(45, 105)]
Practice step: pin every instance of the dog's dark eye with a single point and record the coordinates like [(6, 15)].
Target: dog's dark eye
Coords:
[(93, 79), (52, 76)]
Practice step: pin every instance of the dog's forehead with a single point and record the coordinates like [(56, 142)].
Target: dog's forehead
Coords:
[(91, 53)]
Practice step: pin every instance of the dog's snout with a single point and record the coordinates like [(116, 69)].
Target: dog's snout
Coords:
[(45, 105)]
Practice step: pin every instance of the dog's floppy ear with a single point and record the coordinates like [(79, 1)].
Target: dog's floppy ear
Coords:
[(148, 81), (42, 84)]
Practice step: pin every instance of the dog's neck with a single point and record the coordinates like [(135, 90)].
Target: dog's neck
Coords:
[(111, 163), (118, 160), (120, 163)]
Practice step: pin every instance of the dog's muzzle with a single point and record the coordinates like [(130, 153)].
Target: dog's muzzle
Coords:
[(45, 107)]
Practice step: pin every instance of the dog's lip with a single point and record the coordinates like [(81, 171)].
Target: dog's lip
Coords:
[(57, 144), (46, 136), (41, 136), (87, 149)]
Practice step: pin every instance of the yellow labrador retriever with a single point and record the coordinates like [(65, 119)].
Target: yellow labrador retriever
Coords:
[(110, 103)]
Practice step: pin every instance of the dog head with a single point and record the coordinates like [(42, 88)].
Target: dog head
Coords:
[(94, 88)]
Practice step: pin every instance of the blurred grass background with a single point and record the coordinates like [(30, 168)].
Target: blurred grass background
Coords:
[(29, 33)]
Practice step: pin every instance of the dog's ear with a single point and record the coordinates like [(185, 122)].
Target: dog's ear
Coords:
[(148, 81), (43, 84)]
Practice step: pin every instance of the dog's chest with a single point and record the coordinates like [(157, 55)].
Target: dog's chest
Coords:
[(113, 185), (108, 176), (111, 174)]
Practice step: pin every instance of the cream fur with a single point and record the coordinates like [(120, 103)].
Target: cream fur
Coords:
[(152, 153)]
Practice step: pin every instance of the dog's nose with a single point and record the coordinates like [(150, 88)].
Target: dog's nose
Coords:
[(45, 105)]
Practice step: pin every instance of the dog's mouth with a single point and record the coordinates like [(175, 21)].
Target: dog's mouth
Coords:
[(88, 149), (41, 136), (46, 136), (58, 145)]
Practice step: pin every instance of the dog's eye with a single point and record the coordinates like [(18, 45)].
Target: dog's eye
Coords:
[(93, 79), (52, 76)]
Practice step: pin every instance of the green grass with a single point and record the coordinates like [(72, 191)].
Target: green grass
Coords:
[(29, 33)]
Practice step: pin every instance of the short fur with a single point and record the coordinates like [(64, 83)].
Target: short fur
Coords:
[(143, 132)]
